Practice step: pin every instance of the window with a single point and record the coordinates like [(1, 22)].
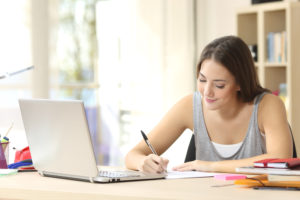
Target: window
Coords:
[(74, 59), (15, 51)]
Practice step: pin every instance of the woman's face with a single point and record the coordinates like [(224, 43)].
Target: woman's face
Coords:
[(216, 85)]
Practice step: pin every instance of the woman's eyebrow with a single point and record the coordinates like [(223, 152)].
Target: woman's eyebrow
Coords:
[(216, 80), (219, 80), (201, 74)]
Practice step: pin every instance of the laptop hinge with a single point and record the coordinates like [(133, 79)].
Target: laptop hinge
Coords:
[(41, 173), (91, 179)]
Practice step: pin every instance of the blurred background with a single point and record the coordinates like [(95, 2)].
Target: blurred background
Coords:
[(128, 60)]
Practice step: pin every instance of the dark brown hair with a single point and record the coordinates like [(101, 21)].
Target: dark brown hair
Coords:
[(235, 56)]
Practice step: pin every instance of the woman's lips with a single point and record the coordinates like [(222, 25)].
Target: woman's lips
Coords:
[(209, 100)]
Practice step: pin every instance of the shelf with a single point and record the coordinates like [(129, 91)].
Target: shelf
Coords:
[(268, 64), (275, 21), (248, 22), (274, 77), (258, 23)]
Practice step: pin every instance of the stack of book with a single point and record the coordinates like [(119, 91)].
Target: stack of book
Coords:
[(276, 47), (286, 163), (292, 164), (276, 173)]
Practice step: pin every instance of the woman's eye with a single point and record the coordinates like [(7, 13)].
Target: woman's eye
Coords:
[(202, 80), (220, 86)]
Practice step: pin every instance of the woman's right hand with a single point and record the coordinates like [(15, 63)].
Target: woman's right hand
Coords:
[(153, 164)]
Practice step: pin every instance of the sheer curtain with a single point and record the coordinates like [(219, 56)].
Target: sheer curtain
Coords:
[(15, 51)]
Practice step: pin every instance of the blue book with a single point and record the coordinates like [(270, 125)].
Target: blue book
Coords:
[(269, 47)]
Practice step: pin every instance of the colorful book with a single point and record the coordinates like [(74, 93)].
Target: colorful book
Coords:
[(276, 47)]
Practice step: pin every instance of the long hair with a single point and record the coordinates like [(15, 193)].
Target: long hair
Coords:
[(234, 54)]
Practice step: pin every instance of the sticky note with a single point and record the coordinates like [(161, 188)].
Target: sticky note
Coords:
[(229, 176)]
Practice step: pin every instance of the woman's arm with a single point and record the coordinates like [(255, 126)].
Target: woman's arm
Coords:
[(172, 125), (272, 118), (273, 123)]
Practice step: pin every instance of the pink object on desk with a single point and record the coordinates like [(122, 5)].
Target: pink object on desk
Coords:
[(3, 163), (229, 176)]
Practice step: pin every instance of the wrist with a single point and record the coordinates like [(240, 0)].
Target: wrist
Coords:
[(141, 163)]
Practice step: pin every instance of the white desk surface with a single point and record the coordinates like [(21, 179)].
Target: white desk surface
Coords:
[(30, 185)]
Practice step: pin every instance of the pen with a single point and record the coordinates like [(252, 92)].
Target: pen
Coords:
[(20, 71), (276, 188), (148, 143), (8, 74), (5, 138)]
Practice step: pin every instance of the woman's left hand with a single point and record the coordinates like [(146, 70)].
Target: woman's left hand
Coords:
[(196, 165)]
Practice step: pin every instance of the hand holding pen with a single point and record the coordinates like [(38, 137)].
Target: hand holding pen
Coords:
[(157, 164)]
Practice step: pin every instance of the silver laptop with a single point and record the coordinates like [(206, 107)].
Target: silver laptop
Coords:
[(60, 143)]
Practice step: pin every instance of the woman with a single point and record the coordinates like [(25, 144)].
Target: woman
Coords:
[(235, 121)]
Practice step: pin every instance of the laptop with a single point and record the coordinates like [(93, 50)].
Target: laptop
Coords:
[(60, 143)]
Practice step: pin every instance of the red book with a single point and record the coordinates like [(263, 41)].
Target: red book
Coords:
[(263, 163), (286, 163)]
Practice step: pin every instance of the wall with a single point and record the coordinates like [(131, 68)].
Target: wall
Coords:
[(216, 18), (179, 51)]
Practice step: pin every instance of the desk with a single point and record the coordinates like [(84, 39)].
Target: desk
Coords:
[(30, 185)]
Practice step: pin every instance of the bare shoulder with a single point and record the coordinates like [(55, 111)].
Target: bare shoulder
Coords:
[(271, 111), (182, 111), (186, 100), (183, 106), (271, 102)]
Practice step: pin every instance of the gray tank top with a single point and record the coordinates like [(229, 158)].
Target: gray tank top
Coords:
[(254, 143)]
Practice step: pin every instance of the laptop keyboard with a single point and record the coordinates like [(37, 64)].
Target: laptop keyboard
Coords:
[(117, 174)]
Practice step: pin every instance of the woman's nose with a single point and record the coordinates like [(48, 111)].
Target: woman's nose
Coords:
[(208, 91)]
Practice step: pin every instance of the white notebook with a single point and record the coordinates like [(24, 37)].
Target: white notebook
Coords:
[(258, 170)]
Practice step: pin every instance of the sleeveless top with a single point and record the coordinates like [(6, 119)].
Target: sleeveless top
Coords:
[(253, 144)]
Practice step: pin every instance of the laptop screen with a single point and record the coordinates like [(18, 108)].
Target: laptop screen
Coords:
[(58, 136)]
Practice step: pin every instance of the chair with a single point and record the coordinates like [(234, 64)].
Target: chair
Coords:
[(191, 151), (294, 146)]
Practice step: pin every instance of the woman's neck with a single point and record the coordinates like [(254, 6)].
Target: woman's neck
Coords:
[(230, 111)]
